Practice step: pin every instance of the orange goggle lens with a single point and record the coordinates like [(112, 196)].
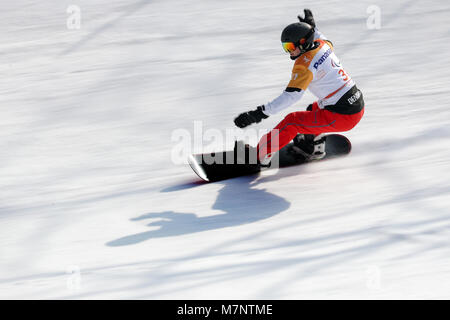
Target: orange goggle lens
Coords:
[(288, 46)]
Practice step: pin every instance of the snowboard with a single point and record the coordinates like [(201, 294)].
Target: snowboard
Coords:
[(217, 166)]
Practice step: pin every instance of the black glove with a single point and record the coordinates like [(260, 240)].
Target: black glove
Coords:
[(309, 108), (247, 118), (309, 19)]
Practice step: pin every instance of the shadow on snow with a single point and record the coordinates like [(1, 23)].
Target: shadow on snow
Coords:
[(241, 202)]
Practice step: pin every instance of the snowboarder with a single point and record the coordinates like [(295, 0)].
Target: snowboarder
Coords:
[(340, 104)]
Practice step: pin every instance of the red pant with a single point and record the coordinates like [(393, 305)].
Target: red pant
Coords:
[(307, 122)]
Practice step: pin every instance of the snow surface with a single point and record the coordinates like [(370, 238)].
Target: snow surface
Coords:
[(93, 207)]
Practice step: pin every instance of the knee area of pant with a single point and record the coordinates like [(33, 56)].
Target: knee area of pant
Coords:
[(290, 117)]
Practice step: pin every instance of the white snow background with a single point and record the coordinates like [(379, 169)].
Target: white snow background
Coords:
[(91, 205)]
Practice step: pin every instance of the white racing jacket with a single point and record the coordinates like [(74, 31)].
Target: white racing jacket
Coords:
[(318, 70)]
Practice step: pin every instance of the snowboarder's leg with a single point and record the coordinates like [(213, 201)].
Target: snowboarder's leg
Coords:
[(305, 122), (309, 146), (313, 122)]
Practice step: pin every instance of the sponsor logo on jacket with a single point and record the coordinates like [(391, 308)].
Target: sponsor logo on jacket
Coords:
[(322, 58)]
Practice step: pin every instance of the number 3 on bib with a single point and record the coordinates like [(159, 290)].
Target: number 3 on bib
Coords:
[(343, 74)]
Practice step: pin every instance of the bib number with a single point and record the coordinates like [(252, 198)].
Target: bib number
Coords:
[(343, 74)]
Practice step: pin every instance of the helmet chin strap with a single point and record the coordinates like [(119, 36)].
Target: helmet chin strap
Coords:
[(302, 51)]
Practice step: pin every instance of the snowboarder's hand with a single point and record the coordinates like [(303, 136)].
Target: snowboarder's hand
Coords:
[(247, 118), (309, 19)]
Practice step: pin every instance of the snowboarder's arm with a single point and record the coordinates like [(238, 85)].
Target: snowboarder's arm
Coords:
[(283, 101), (301, 78), (319, 35), (309, 19)]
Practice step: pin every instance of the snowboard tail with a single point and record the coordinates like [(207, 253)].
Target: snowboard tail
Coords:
[(218, 166)]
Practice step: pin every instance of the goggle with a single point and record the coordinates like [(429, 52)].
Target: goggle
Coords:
[(288, 46), (291, 46)]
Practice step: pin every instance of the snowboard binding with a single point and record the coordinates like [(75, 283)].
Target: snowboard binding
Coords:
[(308, 146)]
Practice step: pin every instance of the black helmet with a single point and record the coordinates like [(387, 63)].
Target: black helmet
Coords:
[(300, 34)]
